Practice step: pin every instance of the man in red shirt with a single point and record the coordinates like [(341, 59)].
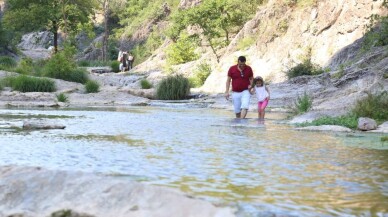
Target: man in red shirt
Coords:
[(241, 76)]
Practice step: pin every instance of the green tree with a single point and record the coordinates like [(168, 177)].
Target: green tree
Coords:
[(67, 15), (216, 19)]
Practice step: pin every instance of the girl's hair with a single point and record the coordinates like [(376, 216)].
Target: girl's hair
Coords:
[(258, 78)]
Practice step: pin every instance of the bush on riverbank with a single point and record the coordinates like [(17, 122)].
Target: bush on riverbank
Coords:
[(7, 62), (373, 106), (62, 66), (202, 72), (302, 104), (92, 86), (173, 87), (348, 120), (62, 97), (25, 83), (145, 84)]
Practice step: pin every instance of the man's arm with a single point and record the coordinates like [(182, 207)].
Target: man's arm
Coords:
[(227, 87)]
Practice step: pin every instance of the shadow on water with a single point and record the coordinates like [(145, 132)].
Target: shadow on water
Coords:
[(264, 168)]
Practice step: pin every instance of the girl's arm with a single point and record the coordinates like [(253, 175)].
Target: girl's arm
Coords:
[(267, 89)]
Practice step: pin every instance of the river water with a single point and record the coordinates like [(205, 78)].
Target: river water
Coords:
[(262, 168)]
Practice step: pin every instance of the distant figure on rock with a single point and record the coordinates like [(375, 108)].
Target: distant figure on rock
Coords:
[(262, 94), (241, 76), (131, 59), (124, 62)]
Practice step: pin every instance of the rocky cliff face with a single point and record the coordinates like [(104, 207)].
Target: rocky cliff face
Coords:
[(283, 35)]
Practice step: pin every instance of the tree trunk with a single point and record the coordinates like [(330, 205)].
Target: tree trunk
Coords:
[(55, 32), (214, 50), (106, 30)]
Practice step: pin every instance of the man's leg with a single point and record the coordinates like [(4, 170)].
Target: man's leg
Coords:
[(237, 103), (245, 98), (244, 113)]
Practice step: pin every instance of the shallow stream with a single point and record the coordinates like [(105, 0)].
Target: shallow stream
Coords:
[(262, 168)]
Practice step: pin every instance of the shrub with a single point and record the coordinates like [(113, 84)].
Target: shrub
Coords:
[(182, 51), (202, 73), (24, 83), (245, 43), (115, 66), (350, 121), (173, 87), (62, 66), (7, 62), (145, 84), (377, 32), (302, 104), (92, 86), (83, 63), (78, 75), (62, 97), (304, 68), (373, 106), (26, 67)]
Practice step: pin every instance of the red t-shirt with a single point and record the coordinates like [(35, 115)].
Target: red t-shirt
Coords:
[(240, 83)]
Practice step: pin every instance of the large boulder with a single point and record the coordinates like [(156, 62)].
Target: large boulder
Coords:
[(366, 124), (36, 192)]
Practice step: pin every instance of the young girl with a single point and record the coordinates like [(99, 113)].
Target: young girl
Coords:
[(262, 94)]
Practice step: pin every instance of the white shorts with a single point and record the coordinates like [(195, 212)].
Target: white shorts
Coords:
[(241, 100)]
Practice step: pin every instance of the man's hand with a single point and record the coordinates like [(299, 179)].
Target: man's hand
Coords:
[(227, 96)]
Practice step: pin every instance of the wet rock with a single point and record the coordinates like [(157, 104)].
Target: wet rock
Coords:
[(37, 192), (37, 125), (366, 124), (383, 128)]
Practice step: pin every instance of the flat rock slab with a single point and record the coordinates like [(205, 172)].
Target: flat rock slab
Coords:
[(334, 128), (37, 192)]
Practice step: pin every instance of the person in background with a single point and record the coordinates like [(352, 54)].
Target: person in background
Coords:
[(123, 58), (241, 77), (262, 94), (131, 58)]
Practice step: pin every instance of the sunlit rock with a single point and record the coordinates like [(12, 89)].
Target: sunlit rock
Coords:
[(37, 192)]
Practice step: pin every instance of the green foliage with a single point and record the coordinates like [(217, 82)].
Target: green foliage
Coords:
[(93, 63), (373, 106), (26, 67), (25, 83), (245, 43), (349, 121), (384, 139), (62, 97), (32, 15), (216, 19), (137, 13), (340, 73), (203, 71), (283, 26), (92, 87), (377, 32), (145, 84), (182, 51), (304, 68), (115, 66), (302, 104), (7, 62), (62, 66), (173, 87)]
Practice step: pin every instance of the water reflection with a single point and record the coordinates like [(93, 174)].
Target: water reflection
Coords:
[(262, 167)]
